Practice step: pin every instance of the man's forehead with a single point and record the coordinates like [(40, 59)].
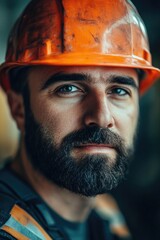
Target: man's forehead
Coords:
[(42, 73)]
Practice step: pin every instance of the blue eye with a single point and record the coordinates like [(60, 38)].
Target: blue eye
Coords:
[(119, 91), (68, 89)]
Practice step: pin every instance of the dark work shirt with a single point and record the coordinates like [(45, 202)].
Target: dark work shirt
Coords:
[(73, 230)]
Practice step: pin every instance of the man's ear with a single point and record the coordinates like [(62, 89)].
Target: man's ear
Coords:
[(15, 101)]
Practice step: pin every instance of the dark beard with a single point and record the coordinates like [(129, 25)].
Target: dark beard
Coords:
[(89, 175)]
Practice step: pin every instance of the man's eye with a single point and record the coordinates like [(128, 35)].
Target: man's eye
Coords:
[(119, 92), (68, 89)]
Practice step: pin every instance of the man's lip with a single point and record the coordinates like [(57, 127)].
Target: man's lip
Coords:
[(94, 148)]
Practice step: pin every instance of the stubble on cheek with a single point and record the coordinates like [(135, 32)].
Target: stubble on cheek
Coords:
[(55, 129)]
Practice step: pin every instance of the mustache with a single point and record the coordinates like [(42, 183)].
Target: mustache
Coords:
[(94, 135)]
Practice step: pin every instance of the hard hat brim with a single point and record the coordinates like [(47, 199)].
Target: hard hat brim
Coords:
[(152, 73)]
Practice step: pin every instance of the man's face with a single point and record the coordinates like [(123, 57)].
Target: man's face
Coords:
[(80, 125)]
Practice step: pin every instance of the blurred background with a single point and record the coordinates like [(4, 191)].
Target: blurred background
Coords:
[(139, 196)]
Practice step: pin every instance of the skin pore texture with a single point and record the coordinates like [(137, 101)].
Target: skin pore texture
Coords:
[(84, 119)]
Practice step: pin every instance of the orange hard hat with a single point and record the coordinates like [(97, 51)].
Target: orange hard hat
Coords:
[(80, 33)]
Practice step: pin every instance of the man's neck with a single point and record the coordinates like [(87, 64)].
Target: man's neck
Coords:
[(70, 206)]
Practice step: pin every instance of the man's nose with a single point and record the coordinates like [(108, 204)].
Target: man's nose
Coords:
[(98, 111)]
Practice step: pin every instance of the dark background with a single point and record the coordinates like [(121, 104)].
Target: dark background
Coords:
[(139, 196)]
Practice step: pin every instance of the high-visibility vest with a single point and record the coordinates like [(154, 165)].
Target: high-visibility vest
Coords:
[(18, 207), (25, 216)]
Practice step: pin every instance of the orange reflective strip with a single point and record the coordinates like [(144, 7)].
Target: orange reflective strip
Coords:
[(27, 221), (14, 233)]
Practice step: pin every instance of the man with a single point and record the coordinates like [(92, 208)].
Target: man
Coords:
[(73, 73)]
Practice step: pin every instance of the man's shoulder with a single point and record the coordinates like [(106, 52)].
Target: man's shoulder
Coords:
[(17, 209), (8, 195), (12, 185), (5, 236), (7, 201), (6, 181)]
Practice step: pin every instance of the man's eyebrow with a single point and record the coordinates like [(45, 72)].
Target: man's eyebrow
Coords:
[(126, 80), (61, 76)]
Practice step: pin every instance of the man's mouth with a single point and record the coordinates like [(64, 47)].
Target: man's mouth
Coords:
[(95, 148)]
